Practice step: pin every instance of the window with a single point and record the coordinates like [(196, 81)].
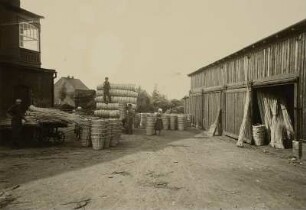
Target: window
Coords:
[(28, 36)]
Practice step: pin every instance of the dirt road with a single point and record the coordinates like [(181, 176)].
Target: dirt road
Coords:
[(173, 171)]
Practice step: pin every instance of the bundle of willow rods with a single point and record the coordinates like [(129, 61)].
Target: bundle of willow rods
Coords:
[(130, 87), (118, 92), (118, 99), (50, 115), (109, 106)]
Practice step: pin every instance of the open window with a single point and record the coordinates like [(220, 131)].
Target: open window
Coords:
[(29, 36)]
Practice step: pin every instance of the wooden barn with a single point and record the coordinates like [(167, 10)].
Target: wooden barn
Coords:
[(276, 64), (69, 91), (21, 75)]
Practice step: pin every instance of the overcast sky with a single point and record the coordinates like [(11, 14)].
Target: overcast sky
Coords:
[(152, 42)]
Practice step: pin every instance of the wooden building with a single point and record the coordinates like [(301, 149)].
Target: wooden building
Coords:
[(21, 75), (69, 91), (277, 63)]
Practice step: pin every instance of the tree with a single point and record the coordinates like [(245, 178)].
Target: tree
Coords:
[(144, 101), (159, 100)]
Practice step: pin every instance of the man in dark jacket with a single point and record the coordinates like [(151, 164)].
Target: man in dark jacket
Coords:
[(16, 123), (129, 119), (106, 88)]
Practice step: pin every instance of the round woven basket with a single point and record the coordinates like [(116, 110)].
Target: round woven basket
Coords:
[(85, 125), (181, 122), (150, 125), (259, 133), (166, 121), (173, 121), (98, 131)]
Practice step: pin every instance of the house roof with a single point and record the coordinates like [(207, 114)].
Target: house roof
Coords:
[(293, 29), (75, 83), (20, 10)]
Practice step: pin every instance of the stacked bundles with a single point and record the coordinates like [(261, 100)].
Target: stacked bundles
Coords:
[(259, 134), (150, 125), (115, 129), (173, 122), (181, 122), (110, 106), (107, 113), (121, 95), (98, 131), (50, 115), (85, 132), (166, 121)]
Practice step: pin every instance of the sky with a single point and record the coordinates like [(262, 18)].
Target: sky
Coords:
[(152, 43)]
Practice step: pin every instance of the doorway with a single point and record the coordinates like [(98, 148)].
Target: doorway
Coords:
[(24, 93), (275, 105)]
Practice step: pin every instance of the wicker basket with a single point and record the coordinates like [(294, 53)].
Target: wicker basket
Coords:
[(259, 132), (150, 125)]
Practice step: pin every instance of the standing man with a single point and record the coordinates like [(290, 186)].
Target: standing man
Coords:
[(17, 116), (106, 88), (129, 119)]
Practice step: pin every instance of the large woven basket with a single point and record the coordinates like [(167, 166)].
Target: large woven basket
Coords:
[(259, 132), (173, 122), (150, 125), (181, 122)]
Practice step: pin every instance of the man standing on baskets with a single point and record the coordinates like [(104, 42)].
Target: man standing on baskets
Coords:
[(106, 89)]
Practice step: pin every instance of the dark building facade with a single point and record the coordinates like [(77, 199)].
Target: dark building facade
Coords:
[(21, 75)]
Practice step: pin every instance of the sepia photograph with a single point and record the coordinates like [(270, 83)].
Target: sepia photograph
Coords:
[(152, 104)]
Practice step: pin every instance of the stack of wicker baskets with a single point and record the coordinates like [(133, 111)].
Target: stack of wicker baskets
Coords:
[(181, 122), (85, 125), (173, 122), (98, 133), (121, 95), (259, 132), (150, 125), (166, 121)]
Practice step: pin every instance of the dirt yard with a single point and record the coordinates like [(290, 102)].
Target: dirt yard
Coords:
[(172, 171)]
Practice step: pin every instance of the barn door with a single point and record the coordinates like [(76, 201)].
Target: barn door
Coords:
[(234, 108)]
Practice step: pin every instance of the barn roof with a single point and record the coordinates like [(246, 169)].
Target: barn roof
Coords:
[(293, 29), (77, 84)]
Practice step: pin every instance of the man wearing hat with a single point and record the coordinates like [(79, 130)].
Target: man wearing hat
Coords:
[(106, 88), (16, 123)]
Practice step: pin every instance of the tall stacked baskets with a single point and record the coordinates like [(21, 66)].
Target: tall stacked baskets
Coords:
[(85, 125), (166, 121), (121, 95), (181, 122), (98, 133), (150, 125), (173, 122)]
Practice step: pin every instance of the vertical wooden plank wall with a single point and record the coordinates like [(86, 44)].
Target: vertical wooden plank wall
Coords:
[(286, 56)]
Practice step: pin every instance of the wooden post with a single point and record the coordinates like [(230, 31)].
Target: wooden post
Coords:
[(297, 115)]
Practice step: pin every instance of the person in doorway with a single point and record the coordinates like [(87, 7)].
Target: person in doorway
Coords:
[(15, 111), (159, 122), (129, 119), (106, 89)]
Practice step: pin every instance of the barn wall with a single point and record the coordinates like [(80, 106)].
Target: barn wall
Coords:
[(234, 110), (211, 105), (283, 58)]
